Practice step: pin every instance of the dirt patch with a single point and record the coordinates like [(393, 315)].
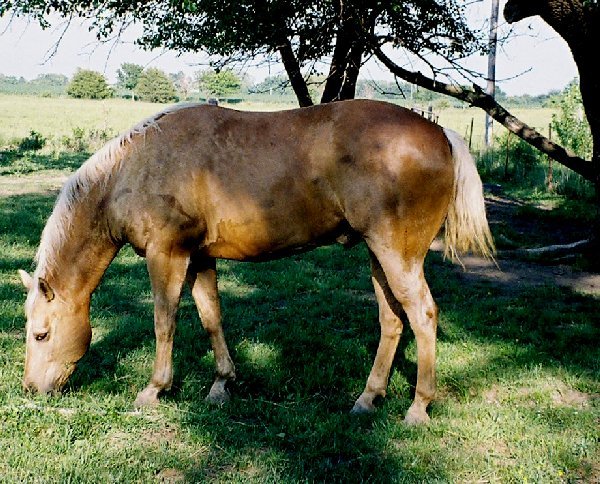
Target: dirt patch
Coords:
[(557, 392), (512, 275), (45, 182), (170, 475)]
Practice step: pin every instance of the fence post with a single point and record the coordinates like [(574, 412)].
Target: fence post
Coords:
[(506, 159), (550, 177), (471, 134)]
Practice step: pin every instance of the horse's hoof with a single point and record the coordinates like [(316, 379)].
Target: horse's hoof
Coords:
[(218, 398), (362, 408), (416, 417), (146, 398)]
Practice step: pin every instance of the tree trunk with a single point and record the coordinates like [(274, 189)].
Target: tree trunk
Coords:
[(295, 75), (352, 69), (339, 62)]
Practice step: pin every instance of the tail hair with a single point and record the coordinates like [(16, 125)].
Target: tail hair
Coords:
[(466, 228)]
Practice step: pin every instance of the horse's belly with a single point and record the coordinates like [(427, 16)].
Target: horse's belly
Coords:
[(230, 240)]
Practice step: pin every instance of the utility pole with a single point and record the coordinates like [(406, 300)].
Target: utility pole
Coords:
[(491, 77)]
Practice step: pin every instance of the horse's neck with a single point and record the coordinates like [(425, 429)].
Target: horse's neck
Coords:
[(80, 256)]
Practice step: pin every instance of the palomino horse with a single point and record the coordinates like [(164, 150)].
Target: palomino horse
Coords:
[(197, 183)]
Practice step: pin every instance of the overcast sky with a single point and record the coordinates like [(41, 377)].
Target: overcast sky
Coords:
[(536, 52)]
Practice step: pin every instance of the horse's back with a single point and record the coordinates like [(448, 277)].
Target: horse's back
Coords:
[(245, 185)]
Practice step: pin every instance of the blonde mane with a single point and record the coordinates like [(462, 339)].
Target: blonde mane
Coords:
[(95, 172)]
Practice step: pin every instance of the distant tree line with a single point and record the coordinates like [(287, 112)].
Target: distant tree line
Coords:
[(43, 85), (154, 85)]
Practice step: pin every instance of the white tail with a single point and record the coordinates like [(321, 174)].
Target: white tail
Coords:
[(467, 228)]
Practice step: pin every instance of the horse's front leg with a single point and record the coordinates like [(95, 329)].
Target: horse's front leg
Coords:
[(202, 277), (167, 269)]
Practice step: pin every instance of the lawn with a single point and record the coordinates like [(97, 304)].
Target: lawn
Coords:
[(518, 374)]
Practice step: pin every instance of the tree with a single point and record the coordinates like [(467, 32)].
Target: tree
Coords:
[(155, 86), (272, 85), (218, 83), (88, 84), (182, 83), (128, 76), (577, 22), (299, 32)]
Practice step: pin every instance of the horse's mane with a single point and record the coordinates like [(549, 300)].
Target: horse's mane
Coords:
[(95, 172)]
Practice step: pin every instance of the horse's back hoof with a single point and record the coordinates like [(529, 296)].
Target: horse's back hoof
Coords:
[(148, 397), (416, 417)]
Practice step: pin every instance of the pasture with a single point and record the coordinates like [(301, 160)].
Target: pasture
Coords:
[(518, 360)]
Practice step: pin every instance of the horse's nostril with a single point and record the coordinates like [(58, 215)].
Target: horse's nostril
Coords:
[(28, 387)]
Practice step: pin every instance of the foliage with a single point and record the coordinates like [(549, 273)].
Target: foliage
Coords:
[(42, 85), (570, 123), (299, 33), (511, 160), (155, 86), (34, 142), (87, 84), (274, 85), (128, 76), (82, 140), (219, 83)]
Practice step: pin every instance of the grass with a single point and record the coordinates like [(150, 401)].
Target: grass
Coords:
[(56, 117), (518, 376)]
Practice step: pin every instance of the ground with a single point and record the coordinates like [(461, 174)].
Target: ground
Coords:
[(528, 229)]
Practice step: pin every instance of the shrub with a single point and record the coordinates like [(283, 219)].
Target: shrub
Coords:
[(88, 84), (82, 140), (570, 123), (155, 86), (34, 142)]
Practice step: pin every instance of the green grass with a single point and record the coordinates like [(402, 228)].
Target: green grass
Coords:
[(518, 380), (56, 117), (518, 375)]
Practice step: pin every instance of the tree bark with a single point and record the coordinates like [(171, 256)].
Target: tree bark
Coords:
[(348, 90), (339, 62), (292, 67)]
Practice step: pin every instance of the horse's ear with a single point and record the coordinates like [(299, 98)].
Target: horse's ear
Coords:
[(45, 289), (26, 279)]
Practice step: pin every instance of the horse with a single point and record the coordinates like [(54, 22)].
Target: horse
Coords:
[(196, 183)]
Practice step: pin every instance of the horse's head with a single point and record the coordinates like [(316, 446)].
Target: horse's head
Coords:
[(58, 335)]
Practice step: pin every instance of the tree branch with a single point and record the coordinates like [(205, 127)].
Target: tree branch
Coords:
[(476, 97)]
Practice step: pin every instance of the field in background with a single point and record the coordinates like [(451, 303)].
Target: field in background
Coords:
[(55, 117)]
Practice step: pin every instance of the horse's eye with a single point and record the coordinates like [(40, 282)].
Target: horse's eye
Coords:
[(41, 336)]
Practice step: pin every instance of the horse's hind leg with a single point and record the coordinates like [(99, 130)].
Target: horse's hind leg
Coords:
[(391, 329), (167, 270), (202, 277), (407, 283)]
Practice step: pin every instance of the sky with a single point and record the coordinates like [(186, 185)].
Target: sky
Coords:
[(535, 61)]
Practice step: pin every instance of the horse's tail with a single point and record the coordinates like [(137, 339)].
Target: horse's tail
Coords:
[(467, 228)]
